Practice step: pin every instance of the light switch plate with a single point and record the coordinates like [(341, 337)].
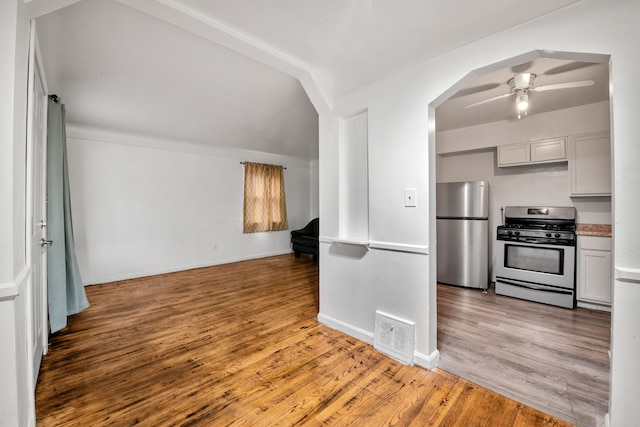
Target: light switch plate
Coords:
[(410, 197)]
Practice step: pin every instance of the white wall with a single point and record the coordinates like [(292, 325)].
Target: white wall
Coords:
[(14, 41), (393, 275), (353, 198), (144, 206), (400, 121), (570, 121), (7, 75)]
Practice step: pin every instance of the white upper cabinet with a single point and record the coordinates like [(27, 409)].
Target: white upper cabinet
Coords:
[(590, 165), (526, 153), (514, 154), (552, 150)]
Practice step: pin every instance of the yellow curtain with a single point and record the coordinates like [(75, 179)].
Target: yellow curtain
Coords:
[(265, 205)]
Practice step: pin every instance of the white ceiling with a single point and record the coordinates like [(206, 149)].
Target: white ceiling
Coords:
[(116, 68), (119, 68)]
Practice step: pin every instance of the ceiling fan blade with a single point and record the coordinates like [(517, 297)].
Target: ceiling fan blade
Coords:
[(521, 68), (568, 85), (572, 66), (476, 89), (495, 98)]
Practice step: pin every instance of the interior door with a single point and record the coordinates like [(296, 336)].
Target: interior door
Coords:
[(36, 292)]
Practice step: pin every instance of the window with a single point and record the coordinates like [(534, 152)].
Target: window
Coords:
[(265, 205)]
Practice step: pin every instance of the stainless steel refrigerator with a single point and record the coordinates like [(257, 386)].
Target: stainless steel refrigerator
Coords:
[(462, 217)]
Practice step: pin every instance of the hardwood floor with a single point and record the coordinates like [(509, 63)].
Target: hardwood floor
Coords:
[(239, 344), (551, 358)]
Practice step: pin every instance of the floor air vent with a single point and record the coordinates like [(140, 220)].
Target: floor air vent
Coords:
[(394, 337)]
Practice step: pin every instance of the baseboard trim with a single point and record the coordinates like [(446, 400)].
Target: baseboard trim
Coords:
[(341, 326), (594, 306), (136, 275), (427, 361)]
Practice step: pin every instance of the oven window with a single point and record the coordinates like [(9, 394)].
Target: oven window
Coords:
[(531, 258)]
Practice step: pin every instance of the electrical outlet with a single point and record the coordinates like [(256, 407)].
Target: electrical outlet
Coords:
[(410, 197)]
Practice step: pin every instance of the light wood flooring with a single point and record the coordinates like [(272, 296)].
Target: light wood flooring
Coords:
[(239, 344), (551, 358)]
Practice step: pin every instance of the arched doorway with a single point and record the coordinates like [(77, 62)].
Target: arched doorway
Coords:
[(467, 152)]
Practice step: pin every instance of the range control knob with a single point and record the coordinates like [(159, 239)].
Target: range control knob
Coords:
[(517, 233), (509, 232), (557, 235), (548, 234)]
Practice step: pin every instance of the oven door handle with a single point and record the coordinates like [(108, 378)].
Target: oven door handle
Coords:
[(524, 241), (535, 288)]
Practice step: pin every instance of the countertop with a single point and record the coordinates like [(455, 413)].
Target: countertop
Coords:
[(603, 230)]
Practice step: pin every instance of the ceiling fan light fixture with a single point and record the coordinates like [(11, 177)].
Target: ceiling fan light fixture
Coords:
[(523, 80), (522, 102), (520, 85), (520, 82)]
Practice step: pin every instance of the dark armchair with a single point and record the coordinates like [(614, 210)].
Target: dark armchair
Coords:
[(306, 239)]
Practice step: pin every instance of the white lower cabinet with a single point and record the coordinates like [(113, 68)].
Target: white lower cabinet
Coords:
[(594, 272)]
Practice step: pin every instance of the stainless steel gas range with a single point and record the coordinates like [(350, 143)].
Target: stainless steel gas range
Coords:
[(536, 254)]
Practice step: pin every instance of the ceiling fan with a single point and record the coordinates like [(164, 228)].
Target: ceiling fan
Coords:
[(521, 84)]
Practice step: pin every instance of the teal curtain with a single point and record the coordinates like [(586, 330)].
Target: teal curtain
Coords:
[(66, 293)]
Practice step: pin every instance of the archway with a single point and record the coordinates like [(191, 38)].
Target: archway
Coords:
[(474, 81)]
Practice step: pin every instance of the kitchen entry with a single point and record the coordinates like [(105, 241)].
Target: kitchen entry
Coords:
[(486, 337)]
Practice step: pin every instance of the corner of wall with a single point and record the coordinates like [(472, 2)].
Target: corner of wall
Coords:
[(427, 361)]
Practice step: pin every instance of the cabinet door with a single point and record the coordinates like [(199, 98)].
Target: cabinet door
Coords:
[(548, 151), (590, 165), (594, 269), (514, 154)]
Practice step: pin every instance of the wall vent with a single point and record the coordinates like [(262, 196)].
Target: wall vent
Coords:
[(394, 337)]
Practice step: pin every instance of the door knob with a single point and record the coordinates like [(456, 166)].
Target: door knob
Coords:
[(44, 243)]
